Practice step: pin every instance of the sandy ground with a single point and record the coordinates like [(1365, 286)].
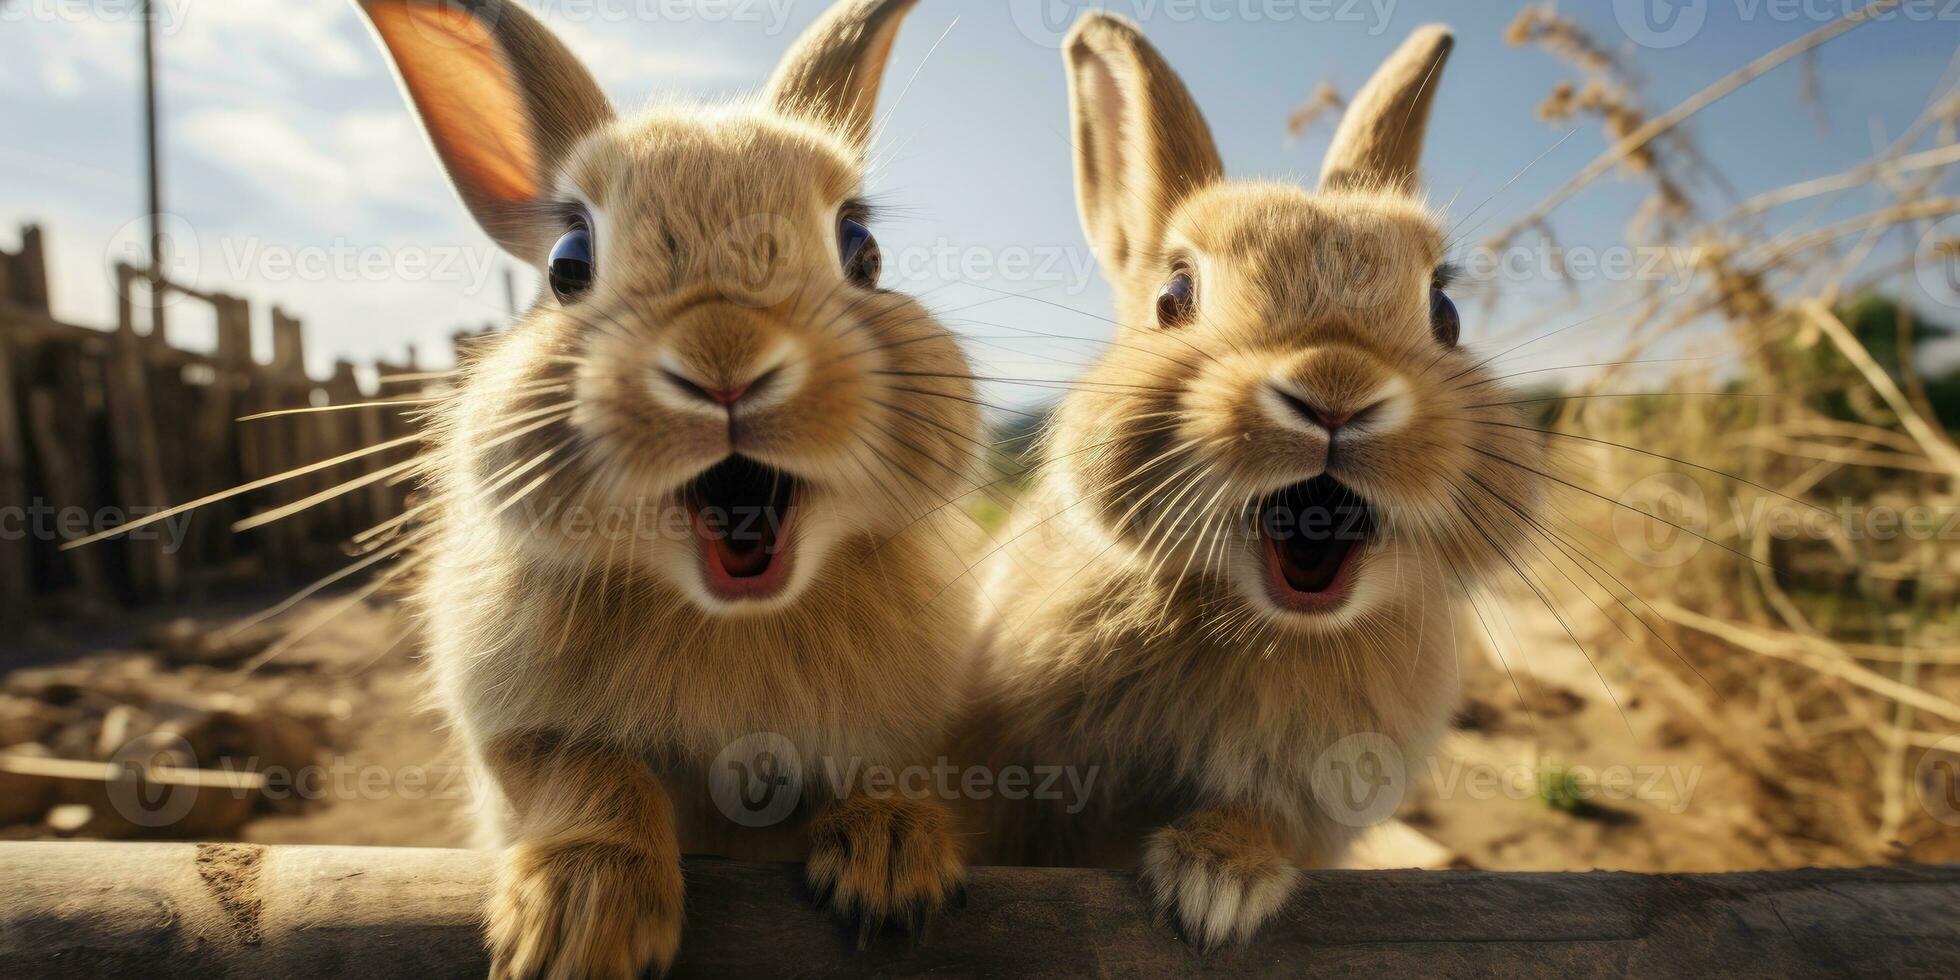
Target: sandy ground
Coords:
[(1639, 792)]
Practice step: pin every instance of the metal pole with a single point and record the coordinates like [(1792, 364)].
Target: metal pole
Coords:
[(157, 327)]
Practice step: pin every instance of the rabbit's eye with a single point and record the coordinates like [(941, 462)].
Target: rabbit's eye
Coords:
[(859, 252), (1177, 302), (1443, 321), (570, 267)]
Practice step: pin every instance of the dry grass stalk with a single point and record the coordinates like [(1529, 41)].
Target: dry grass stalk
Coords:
[(1820, 664)]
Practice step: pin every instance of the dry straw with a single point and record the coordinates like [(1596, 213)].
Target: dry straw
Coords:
[(1820, 665)]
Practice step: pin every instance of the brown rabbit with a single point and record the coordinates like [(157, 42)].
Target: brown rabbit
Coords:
[(687, 498), (1232, 587)]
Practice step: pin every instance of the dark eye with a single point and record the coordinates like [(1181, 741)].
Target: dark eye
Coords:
[(859, 252), (1443, 321), (1177, 302), (570, 267)]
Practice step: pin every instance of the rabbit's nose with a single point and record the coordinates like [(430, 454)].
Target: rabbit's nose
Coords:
[(688, 386), (721, 394), (1327, 418), (725, 395)]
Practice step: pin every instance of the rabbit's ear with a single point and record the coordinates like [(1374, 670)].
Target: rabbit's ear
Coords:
[(503, 102), (1379, 143), (831, 73), (1141, 146)]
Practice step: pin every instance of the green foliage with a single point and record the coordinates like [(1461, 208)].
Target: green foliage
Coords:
[(1874, 319), (1559, 789), (1015, 444)]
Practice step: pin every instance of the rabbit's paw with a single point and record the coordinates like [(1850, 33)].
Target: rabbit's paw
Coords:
[(879, 860), (584, 910), (1218, 877)]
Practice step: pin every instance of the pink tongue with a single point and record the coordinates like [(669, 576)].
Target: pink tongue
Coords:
[(1315, 570), (745, 558)]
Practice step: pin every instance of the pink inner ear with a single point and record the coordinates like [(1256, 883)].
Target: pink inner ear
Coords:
[(469, 102), (1106, 100)]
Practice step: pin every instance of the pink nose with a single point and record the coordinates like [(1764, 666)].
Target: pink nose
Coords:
[(728, 396), (1330, 420), (1326, 419)]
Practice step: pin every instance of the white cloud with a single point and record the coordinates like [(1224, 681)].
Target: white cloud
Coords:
[(69, 58), (283, 133), (626, 63)]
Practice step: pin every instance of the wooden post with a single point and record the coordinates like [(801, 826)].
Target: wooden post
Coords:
[(234, 317), (288, 344), (348, 431), (59, 474), (25, 279), (16, 568), (184, 910), (139, 468)]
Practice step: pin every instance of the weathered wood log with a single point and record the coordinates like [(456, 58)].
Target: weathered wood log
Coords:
[(159, 910)]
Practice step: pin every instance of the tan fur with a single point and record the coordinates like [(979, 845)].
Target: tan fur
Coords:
[(1221, 871), (1380, 138), (599, 659), (907, 880), (597, 866), (1131, 636)]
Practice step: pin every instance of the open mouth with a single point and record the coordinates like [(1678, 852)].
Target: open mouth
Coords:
[(1312, 534), (741, 511)]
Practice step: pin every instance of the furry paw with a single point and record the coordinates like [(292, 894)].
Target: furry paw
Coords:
[(876, 860), (1219, 877), (584, 910)]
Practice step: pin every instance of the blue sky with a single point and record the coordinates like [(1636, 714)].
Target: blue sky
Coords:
[(293, 163)]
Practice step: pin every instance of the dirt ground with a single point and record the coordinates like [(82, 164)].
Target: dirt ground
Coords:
[(1579, 780)]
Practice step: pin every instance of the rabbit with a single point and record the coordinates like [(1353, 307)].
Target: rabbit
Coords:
[(1229, 587), (726, 440)]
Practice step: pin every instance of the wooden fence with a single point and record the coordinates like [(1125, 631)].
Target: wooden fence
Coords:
[(99, 426), (79, 909)]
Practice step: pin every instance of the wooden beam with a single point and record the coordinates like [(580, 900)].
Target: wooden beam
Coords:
[(162, 910)]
